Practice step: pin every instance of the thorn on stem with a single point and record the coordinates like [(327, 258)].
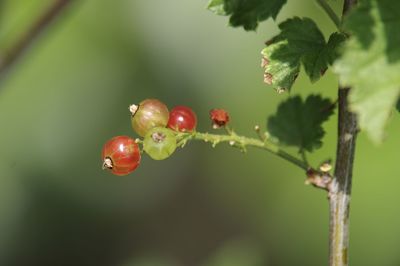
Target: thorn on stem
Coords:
[(228, 129), (243, 148), (261, 136)]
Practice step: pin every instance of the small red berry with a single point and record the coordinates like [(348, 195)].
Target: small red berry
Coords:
[(219, 117), (121, 155), (182, 118)]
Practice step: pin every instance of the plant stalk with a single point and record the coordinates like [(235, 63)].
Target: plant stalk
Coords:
[(340, 191), (9, 57), (329, 11), (242, 143)]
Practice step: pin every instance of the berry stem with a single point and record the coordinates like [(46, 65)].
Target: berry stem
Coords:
[(242, 142)]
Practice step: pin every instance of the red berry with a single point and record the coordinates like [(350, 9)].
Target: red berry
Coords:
[(219, 117), (182, 118), (121, 155), (149, 114)]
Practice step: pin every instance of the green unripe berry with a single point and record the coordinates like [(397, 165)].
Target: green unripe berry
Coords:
[(159, 143), (149, 114)]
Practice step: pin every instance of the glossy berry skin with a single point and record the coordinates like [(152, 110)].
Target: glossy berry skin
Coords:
[(149, 114), (121, 155), (159, 143), (219, 117), (183, 119)]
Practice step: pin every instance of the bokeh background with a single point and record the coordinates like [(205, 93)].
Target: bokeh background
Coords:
[(202, 206)]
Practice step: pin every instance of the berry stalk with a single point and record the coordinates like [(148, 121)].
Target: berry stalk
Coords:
[(242, 143)]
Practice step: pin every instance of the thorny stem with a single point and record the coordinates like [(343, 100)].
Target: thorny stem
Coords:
[(17, 50), (242, 143), (340, 191), (329, 11)]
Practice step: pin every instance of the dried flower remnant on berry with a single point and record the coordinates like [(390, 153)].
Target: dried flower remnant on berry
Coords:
[(121, 155), (133, 109), (158, 137), (219, 117)]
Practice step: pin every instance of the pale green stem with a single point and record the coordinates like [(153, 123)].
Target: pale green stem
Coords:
[(242, 142)]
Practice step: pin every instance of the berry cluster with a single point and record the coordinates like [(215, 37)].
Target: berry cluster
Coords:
[(159, 128)]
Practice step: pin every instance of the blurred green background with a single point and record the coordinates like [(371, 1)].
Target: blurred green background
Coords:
[(203, 206)]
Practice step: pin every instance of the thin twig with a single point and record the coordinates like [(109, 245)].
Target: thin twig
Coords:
[(17, 50), (242, 142), (329, 11)]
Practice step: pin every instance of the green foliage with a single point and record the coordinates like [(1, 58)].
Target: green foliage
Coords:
[(246, 13), (371, 63), (298, 123), (217, 6), (398, 105), (299, 42)]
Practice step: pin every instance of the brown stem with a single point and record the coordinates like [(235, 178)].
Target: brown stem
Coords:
[(347, 5), (340, 190), (17, 50)]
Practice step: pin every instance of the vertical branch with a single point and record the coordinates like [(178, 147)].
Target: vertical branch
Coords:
[(340, 191), (17, 50), (339, 196)]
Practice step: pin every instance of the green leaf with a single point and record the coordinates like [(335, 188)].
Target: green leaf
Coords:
[(370, 64), (300, 42), (217, 7), (333, 48), (299, 123), (398, 105), (246, 13)]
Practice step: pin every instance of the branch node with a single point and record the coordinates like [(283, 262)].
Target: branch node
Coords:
[(318, 179)]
